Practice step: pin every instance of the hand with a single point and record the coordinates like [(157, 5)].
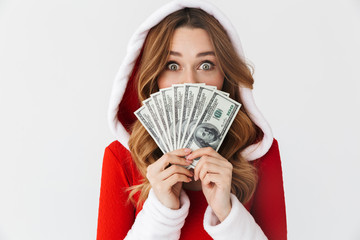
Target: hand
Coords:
[(165, 180), (215, 173)]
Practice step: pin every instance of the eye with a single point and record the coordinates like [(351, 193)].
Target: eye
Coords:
[(172, 66), (206, 66)]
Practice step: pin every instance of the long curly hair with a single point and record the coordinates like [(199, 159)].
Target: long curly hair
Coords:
[(243, 132)]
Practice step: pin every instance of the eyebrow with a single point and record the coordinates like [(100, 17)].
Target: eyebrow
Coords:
[(202, 54)]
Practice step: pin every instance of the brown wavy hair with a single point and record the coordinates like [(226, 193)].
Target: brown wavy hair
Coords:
[(243, 131)]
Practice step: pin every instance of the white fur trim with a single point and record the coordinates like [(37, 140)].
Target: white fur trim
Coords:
[(239, 224), (133, 50), (155, 221), (259, 149)]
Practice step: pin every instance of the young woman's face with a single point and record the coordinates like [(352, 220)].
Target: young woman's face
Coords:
[(192, 60)]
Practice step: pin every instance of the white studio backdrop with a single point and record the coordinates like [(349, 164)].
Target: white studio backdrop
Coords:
[(58, 60)]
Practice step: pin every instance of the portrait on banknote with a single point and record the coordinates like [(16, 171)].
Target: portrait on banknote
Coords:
[(206, 135)]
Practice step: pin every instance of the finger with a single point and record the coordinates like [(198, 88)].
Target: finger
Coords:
[(181, 152), (174, 157), (210, 168), (175, 178), (212, 178), (209, 151), (205, 161), (174, 169)]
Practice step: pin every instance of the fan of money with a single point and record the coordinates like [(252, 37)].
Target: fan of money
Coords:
[(188, 116)]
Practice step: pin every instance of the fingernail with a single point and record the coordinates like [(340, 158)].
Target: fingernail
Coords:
[(187, 150), (188, 160), (188, 156)]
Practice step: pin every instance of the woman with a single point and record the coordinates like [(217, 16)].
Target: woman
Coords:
[(236, 193)]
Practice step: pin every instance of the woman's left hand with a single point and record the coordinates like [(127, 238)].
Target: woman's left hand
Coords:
[(215, 173)]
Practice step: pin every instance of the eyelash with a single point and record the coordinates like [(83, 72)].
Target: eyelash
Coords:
[(209, 62), (173, 62), (168, 65)]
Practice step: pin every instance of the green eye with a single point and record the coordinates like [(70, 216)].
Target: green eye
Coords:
[(206, 66), (173, 66)]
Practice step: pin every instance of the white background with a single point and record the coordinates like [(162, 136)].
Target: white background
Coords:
[(58, 60)]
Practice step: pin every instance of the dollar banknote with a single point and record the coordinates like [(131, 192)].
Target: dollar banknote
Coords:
[(144, 117), (150, 106), (202, 99), (213, 124), (161, 116), (188, 116), (190, 95), (167, 97), (178, 91)]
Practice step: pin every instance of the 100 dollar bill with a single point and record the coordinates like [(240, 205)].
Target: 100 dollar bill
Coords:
[(168, 98), (215, 121), (144, 116), (202, 99), (161, 116), (190, 96), (178, 91)]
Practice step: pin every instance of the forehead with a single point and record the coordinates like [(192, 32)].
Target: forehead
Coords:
[(187, 39)]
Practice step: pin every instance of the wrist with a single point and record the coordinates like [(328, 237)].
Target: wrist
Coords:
[(170, 203), (173, 205), (221, 215)]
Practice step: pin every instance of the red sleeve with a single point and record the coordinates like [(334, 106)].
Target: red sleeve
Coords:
[(116, 214), (268, 207)]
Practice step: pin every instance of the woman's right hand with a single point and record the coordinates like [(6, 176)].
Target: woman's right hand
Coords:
[(166, 181)]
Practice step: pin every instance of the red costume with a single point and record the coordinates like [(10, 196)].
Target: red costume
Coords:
[(117, 215)]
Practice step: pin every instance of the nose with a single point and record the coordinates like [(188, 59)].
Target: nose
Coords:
[(189, 76)]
